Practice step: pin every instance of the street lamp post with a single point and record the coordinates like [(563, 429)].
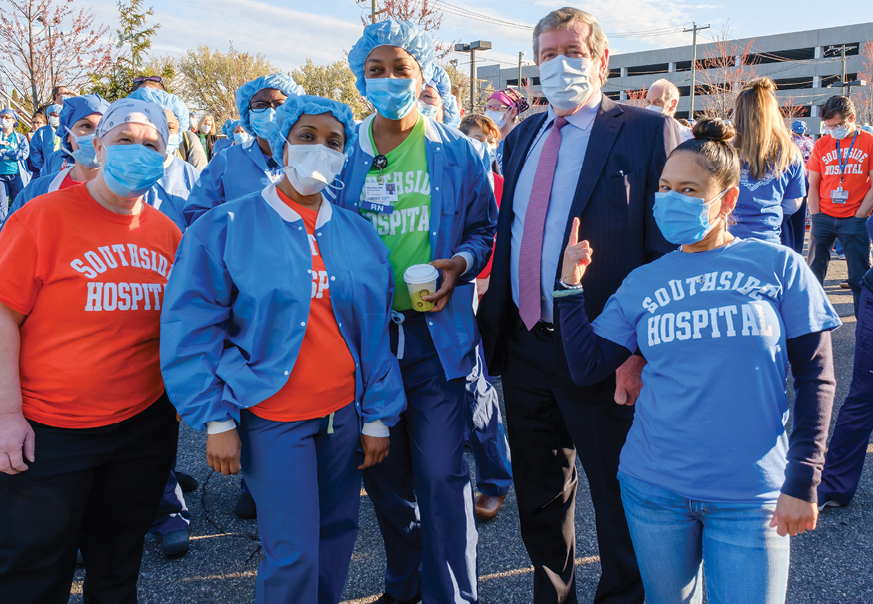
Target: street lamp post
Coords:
[(472, 47)]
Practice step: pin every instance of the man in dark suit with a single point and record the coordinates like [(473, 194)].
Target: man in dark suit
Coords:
[(592, 158)]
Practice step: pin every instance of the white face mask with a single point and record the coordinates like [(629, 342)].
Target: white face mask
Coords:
[(54, 121), (205, 128), (498, 117), (655, 108), (6, 123), (310, 168), (566, 82)]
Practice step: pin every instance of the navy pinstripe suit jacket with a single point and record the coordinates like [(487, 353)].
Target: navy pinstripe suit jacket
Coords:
[(614, 199)]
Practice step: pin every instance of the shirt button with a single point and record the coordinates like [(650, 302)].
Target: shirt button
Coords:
[(434, 233), (303, 324), (355, 204), (437, 188), (437, 148), (299, 228), (333, 278), (286, 373), (309, 270), (430, 323), (319, 234)]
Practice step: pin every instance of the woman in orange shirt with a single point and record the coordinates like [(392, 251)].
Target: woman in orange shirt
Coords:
[(87, 434)]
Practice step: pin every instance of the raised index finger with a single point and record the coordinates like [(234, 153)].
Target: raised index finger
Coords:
[(574, 232)]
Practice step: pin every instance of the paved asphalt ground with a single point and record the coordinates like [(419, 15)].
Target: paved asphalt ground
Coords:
[(834, 564)]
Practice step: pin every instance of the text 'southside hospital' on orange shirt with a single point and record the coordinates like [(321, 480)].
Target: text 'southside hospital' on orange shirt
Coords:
[(856, 171), (323, 378), (90, 283)]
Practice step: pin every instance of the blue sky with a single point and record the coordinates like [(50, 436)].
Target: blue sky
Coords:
[(290, 31)]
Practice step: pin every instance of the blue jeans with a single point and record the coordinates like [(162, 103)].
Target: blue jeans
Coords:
[(675, 538), (852, 233)]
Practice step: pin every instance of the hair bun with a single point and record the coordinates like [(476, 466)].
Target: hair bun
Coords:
[(714, 129)]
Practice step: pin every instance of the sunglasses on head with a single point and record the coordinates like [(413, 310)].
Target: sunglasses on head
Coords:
[(141, 79)]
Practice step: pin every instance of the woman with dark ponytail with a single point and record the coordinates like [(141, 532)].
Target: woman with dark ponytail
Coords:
[(709, 477), (772, 178)]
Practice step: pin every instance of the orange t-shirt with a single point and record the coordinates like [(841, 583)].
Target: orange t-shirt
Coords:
[(90, 283), (856, 171), (323, 378), (68, 182)]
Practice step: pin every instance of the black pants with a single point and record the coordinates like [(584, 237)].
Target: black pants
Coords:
[(547, 428), (95, 488)]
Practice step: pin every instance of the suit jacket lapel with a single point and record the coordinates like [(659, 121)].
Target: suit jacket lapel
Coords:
[(603, 135)]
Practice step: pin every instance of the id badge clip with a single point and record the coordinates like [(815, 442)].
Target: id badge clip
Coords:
[(380, 197), (839, 196)]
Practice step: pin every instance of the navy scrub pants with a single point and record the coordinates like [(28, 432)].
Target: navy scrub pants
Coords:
[(10, 187), (422, 492), (92, 488), (486, 434), (173, 514), (848, 446), (305, 480)]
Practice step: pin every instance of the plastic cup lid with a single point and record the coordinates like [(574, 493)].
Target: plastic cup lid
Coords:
[(420, 273)]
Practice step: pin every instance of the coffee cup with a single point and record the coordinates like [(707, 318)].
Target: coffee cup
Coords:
[(421, 279)]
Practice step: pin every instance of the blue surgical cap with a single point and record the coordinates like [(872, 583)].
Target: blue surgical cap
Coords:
[(11, 112), (799, 127), (867, 129), (229, 126), (169, 102), (443, 85), (53, 109), (77, 107), (288, 114), (410, 37), (280, 81)]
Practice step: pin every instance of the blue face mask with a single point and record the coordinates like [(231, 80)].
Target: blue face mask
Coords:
[(492, 153), (393, 98), (683, 220), (131, 170), (85, 153), (173, 143), (428, 110), (241, 137), (264, 123)]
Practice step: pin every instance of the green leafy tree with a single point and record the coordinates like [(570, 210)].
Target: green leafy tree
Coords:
[(335, 81), (134, 42), (209, 78)]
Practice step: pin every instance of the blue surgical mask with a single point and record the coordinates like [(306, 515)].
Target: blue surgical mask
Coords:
[(683, 220), (241, 137), (131, 170), (54, 121), (264, 123), (566, 82), (85, 153), (428, 110), (393, 98), (173, 143)]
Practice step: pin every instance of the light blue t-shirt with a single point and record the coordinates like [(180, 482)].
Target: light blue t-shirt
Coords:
[(712, 325), (759, 211)]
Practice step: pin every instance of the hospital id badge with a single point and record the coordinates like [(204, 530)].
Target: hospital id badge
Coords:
[(839, 196), (379, 197)]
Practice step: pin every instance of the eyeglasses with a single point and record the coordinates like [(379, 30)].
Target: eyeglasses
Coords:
[(141, 79), (261, 106)]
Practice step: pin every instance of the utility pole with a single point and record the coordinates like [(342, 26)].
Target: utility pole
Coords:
[(694, 29), (844, 84), (520, 55), (373, 11), (471, 48)]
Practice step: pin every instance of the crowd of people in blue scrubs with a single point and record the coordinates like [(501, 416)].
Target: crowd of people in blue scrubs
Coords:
[(289, 321)]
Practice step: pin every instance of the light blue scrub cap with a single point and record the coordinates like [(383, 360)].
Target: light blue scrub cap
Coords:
[(167, 101), (288, 114), (392, 32), (280, 81)]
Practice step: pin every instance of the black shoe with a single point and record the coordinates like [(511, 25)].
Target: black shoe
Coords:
[(187, 482), (175, 543), (389, 599), (245, 506)]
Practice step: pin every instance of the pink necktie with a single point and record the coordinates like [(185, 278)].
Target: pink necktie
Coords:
[(530, 257)]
